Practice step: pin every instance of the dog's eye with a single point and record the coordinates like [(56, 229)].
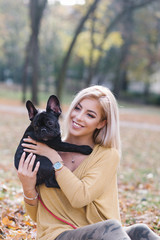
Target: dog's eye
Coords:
[(49, 123), (35, 128)]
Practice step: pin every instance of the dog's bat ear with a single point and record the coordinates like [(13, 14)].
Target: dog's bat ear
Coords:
[(32, 111), (53, 105)]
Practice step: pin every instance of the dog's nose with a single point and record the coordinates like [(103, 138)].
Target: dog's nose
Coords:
[(43, 130)]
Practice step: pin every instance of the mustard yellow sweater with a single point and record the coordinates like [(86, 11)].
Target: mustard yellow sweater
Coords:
[(87, 195)]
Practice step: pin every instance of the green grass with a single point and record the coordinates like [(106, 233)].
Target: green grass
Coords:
[(15, 93)]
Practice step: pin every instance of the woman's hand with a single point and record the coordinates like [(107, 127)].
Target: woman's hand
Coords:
[(32, 146), (26, 173), (28, 176)]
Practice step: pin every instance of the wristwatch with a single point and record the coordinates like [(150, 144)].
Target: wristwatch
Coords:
[(58, 166)]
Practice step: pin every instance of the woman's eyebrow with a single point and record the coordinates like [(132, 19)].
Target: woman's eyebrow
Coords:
[(79, 105), (92, 112), (88, 109)]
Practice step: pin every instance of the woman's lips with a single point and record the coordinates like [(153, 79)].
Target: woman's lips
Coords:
[(76, 125)]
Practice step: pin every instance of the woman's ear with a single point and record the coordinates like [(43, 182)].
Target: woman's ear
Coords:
[(101, 124)]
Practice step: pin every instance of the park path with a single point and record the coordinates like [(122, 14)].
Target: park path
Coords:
[(131, 123)]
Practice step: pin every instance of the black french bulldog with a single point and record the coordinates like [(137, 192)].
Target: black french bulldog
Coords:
[(45, 128)]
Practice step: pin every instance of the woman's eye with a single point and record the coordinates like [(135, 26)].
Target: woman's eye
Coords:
[(77, 108), (90, 115)]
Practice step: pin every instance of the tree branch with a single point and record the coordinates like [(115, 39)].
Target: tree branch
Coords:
[(62, 72)]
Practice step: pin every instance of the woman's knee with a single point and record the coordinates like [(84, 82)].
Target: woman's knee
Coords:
[(138, 226), (112, 225), (140, 231), (113, 222), (115, 230)]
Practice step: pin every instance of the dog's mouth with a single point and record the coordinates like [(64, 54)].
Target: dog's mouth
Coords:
[(45, 139), (44, 136)]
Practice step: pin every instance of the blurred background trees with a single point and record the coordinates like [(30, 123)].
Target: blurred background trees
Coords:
[(50, 47)]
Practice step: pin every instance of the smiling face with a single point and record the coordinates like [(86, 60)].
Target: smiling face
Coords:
[(85, 118)]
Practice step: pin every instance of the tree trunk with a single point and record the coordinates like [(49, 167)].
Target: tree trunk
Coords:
[(62, 72), (26, 71), (31, 66), (35, 72), (91, 64), (121, 79)]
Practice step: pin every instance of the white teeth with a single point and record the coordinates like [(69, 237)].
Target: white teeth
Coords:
[(76, 124)]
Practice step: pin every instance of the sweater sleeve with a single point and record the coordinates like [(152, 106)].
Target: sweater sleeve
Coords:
[(31, 210), (80, 192)]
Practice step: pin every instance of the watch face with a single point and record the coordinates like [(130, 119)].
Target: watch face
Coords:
[(57, 165)]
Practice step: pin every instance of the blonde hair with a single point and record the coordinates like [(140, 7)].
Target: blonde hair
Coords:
[(109, 135)]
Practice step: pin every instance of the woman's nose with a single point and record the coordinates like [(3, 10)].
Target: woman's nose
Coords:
[(79, 116)]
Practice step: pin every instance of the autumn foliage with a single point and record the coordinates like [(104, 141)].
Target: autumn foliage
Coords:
[(138, 176)]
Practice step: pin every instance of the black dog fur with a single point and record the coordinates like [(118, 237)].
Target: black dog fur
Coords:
[(45, 128)]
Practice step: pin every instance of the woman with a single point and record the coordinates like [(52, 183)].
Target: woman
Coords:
[(87, 201)]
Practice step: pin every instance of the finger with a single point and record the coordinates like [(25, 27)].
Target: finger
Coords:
[(33, 151), (30, 140), (24, 162), (36, 167), (31, 163), (21, 162), (30, 137), (30, 146), (27, 161)]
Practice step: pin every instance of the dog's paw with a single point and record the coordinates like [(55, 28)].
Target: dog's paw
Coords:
[(86, 149)]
